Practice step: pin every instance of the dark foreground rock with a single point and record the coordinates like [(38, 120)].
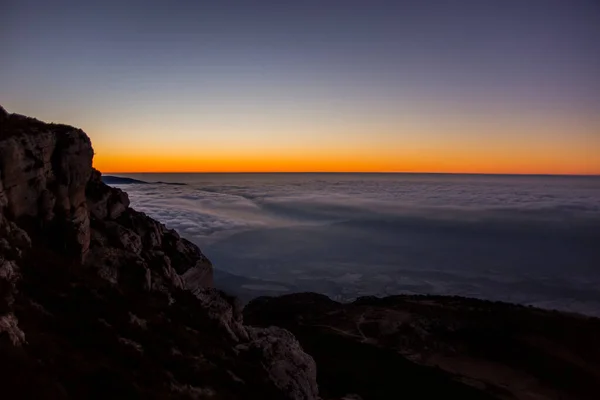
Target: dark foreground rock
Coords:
[(98, 300), (424, 346)]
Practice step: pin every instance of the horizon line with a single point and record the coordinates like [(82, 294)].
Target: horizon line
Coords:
[(354, 172)]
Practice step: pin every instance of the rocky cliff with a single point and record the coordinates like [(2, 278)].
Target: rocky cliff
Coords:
[(98, 300)]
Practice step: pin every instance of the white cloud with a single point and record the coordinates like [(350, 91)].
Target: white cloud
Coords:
[(529, 240)]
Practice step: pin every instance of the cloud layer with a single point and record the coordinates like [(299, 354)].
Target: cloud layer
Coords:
[(531, 240)]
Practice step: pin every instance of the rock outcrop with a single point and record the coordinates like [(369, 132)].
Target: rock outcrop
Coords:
[(132, 250), (439, 347), (98, 300), (45, 168)]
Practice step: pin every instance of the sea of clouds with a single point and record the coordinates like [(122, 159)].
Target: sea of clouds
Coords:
[(530, 240)]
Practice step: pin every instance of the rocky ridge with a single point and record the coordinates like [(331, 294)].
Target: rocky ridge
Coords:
[(439, 347), (97, 299)]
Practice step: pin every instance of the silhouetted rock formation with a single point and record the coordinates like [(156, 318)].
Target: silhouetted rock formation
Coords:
[(117, 180), (386, 348), (98, 300)]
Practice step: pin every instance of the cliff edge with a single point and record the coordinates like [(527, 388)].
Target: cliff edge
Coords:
[(98, 300)]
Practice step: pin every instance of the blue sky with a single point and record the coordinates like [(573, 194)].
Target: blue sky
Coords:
[(376, 82)]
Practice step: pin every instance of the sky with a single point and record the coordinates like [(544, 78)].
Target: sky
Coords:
[(377, 86)]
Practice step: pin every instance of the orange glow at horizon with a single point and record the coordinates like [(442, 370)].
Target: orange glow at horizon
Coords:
[(449, 145), (320, 88), (427, 161), (444, 143), (411, 141)]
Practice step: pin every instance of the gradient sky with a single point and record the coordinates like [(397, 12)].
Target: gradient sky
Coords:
[(509, 86)]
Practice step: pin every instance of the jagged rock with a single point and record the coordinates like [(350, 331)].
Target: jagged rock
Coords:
[(103, 201), (149, 230), (46, 165), (135, 242), (225, 310), (130, 248), (198, 276), (288, 366), (118, 266), (9, 326), (9, 275), (17, 237), (98, 300), (13, 241), (124, 238)]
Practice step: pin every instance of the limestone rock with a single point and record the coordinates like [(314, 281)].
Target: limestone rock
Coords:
[(98, 300), (45, 168), (103, 201), (288, 366), (9, 325)]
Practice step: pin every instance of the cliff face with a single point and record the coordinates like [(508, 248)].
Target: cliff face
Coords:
[(44, 172), (97, 299), (128, 248)]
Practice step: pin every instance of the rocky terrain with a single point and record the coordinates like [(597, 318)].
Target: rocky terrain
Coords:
[(98, 300), (419, 346)]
